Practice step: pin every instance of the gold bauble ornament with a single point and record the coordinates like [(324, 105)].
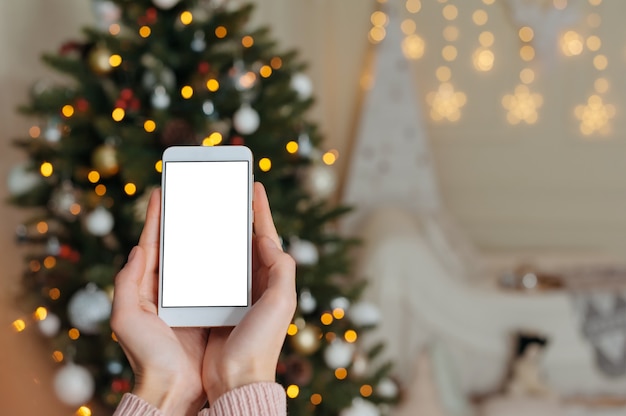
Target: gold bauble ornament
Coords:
[(98, 60), (307, 340), (104, 159)]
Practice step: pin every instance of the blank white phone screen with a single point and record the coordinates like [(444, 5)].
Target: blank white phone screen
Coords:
[(205, 234)]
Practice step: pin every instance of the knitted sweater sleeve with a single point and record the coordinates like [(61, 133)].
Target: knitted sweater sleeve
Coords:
[(258, 399)]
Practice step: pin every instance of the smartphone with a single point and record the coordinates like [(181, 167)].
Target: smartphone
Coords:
[(206, 235)]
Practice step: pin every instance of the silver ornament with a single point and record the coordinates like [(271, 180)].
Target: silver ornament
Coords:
[(320, 181), (303, 252), (361, 407), (74, 385), (160, 98), (99, 222), (22, 179), (63, 199), (307, 302), (198, 44), (246, 120), (340, 303), (338, 354), (364, 313), (305, 147), (387, 388), (165, 4), (88, 308), (50, 326), (302, 85)]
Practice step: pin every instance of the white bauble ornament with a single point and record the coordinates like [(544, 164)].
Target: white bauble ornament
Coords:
[(321, 181), (74, 385), (338, 354), (303, 252), (160, 98), (50, 326), (305, 147), (22, 179), (387, 388), (63, 199), (340, 303), (99, 222), (53, 246), (88, 308), (307, 302), (198, 44), (165, 4), (53, 133), (302, 84), (361, 407), (106, 13), (364, 314), (246, 120), (360, 365)]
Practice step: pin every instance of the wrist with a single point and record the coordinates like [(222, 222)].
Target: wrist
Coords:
[(232, 378), (170, 396)]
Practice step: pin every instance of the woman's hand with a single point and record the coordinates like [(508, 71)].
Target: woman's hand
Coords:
[(167, 362), (249, 352)]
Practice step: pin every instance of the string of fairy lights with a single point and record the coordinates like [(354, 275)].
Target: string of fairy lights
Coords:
[(522, 105)]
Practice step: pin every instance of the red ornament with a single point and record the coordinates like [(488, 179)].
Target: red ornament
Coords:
[(71, 46), (281, 368), (151, 15), (120, 385), (82, 105), (126, 94), (121, 104), (237, 141), (203, 67), (65, 251), (135, 104)]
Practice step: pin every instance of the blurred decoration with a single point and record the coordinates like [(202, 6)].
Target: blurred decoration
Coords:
[(307, 340), (88, 309), (73, 384), (99, 222), (22, 179)]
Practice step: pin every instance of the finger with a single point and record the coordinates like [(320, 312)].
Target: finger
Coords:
[(282, 268), (263, 222), (149, 239), (128, 283)]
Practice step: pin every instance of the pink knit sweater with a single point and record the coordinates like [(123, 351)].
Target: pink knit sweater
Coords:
[(258, 399)]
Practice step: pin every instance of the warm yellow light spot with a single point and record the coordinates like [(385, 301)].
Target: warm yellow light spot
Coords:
[(221, 32), (329, 158), (42, 227), (488, 2), (186, 92), (527, 75), (350, 335), (265, 71), (559, 4), (114, 337), (293, 391), (600, 62), (19, 325), (100, 190), (450, 12), (483, 59), (67, 110), (480, 17), (408, 26), (46, 169), (571, 43), (57, 356), (601, 85), (186, 17), (75, 209), (527, 53), (247, 80), (34, 265), (292, 330), (526, 34), (149, 126), (366, 390), (73, 333), (446, 103), (377, 34), (118, 114), (449, 53), (93, 176), (54, 293), (114, 29), (212, 85), (443, 73), (594, 20), (326, 318), (594, 43), (594, 116), (83, 411), (486, 39), (451, 33), (34, 132), (341, 373), (265, 164), (49, 262), (413, 46), (144, 31), (330, 336), (316, 399), (338, 313), (292, 147), (247, 41), (130, 188), (115, 60), (413, 6), (276, 62), (379, 18), (595, 2), (213, 139), (522, 105), (158, 166), (40, 313)]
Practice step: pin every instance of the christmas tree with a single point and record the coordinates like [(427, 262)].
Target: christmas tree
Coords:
[(152, 74)]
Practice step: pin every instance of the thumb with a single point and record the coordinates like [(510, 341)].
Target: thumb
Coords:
[(281, 266)]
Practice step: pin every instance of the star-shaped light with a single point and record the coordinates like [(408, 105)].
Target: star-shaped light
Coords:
[(522, 105), (594, 116), (446, 103)]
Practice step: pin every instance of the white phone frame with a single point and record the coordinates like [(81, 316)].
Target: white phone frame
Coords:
[(208, 316)]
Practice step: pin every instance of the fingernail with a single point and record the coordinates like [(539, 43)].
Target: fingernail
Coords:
[(132, 254)]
